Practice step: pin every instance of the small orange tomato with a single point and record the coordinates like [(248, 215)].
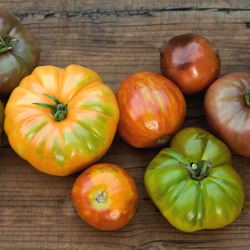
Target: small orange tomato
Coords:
[(151, 109), (105, 196)]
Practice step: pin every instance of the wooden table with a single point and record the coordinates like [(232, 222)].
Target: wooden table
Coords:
[(116, 38)]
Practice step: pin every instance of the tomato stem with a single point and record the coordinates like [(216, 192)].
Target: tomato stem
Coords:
[(6, 43), (246, 94), (200, 170), (101, 197), (59, 110)]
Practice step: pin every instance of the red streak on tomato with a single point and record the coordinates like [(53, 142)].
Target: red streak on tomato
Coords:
[(152, 108)]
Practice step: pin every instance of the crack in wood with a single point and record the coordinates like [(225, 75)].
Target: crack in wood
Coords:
[(247, 25), (96, 13)]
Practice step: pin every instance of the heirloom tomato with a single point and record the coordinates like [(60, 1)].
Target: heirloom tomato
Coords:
[(105, 196), (191, 62), (227, 106), (152, 108), (19, 52), (61, 120), (1, 117), (193, 182)]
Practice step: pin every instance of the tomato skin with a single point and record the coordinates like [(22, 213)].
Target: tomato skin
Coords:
[(1, 117), (190, 203), (23, 56), (227, 112), (191, 62), (120, 199), (152, 108), (79, 139)]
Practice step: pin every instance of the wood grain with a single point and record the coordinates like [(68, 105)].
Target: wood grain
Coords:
[(116, 38)]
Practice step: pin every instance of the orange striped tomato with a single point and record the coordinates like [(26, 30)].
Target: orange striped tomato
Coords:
[(151, 109), (105, 196)]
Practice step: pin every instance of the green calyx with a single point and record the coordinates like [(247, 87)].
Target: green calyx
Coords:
[(101, 197), (6, 43), (246, 94), (200, 170), (59, 110)]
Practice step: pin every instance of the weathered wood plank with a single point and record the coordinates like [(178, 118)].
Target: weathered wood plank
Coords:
[(116, 43), (36, 209), (78, 5), (116, 38)]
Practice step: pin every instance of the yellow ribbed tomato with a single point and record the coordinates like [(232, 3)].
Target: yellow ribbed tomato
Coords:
[(61, 120)]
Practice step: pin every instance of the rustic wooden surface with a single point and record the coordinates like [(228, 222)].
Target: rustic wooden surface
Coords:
[(116, 38)]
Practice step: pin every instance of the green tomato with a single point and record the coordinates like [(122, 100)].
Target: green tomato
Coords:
[(19, 52), (193, 182)]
